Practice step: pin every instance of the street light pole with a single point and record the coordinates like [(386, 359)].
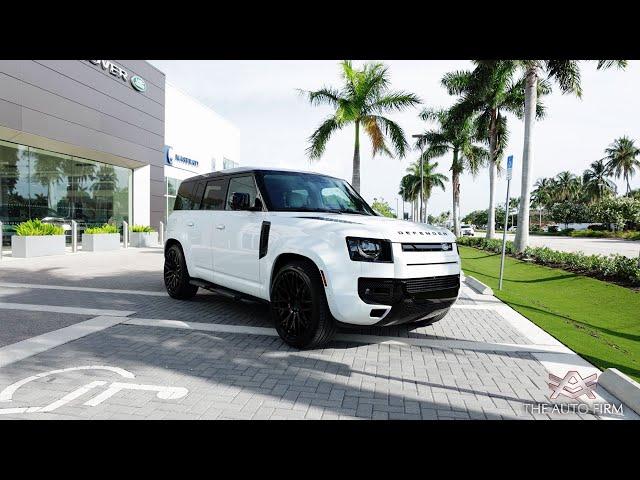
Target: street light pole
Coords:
[(423, 216)]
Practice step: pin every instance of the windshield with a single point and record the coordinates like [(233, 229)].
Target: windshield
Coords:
[(308, 192)]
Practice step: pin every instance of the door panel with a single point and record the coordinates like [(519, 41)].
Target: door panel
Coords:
[(236, 241), (212, 194)]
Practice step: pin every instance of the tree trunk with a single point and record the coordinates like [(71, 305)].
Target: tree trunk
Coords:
[(426, 199), (491, 221), (530, 101), (493, 141), (455, 184), (355, 180)]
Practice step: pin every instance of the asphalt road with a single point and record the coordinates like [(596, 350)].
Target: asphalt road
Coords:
[(588, 246)]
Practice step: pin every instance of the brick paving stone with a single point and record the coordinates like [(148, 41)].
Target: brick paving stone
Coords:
[(239, 376)]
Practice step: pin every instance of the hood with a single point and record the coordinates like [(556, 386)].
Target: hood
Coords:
[(383, 227)]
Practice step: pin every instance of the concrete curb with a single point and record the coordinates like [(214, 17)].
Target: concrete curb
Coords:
[(477, 285), (623, 387)]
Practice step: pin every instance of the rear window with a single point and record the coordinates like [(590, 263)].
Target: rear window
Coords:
[(189, 196)]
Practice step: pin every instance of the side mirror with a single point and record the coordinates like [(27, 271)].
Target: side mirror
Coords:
[(240, 201), (257, 205)]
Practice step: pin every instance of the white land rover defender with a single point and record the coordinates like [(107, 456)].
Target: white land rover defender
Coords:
[(312, 247)]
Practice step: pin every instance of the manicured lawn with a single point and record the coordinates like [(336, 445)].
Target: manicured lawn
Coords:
[(598, 320)]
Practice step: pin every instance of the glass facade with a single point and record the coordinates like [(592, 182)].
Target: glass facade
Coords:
[(36, 183), (226, 163)]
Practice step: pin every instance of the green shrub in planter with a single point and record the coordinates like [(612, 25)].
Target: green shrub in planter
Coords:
[(32, 228), (141, 229), (103, 229)]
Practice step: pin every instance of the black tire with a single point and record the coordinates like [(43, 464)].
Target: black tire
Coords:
[(176, 275), (429, 321), (299, 306)]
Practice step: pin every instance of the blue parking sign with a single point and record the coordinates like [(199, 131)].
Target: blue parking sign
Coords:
[(509, 166)]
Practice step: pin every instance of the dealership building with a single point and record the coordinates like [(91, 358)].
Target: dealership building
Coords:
[(101, 141)]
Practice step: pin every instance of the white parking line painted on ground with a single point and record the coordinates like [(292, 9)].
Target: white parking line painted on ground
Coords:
[(82, 289), (32, 307), (207, 327), (356, 338), (41, 343)]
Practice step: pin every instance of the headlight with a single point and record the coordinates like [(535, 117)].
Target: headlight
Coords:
[(369, 250)]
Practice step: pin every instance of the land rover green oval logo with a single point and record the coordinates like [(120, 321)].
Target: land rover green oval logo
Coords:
[(138, 83)]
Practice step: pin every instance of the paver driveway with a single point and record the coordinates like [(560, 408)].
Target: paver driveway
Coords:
[(95, 336)]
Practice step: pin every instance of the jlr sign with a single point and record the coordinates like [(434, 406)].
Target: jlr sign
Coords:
[(136, 82)]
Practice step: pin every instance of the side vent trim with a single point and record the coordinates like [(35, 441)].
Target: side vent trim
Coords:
[(264, 239)]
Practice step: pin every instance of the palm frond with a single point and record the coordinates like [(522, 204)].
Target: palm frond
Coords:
[(324, 96), (318, 139), (394, 101), (456, 82), (567, 74), (603, 64), (372, 128), (394, 132)]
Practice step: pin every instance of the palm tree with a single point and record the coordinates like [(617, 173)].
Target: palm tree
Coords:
[(543, 195), (365, 96), (407, 192), (430, 179), (596, 182), (454, 134), (566, 187), (566, 73), (490, 91), (622, 159)]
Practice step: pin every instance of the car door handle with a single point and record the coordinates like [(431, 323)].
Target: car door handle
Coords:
[(220, 227), (190, 224)]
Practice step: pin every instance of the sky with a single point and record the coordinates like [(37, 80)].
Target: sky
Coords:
[(261, 99)]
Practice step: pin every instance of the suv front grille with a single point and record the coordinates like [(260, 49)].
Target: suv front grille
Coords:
[(427, 247), (387, 291), (429, 284)]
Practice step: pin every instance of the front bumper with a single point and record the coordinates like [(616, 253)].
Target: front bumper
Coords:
[(411, 300)]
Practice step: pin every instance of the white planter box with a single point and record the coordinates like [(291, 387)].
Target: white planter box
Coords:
[(100, 242), (140, 239), (37, 245)]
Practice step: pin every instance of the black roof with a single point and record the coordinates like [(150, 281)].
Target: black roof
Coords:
[(238, 170)]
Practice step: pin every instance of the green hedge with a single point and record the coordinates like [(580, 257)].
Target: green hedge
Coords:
[(37, 228), (103, 229), (616, 268), (142, 229)]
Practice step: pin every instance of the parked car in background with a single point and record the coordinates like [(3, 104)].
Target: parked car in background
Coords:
[(58, 221), (512, 228), (312, 247), (467, 230)]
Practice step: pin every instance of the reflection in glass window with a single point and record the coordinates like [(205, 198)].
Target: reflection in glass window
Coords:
[(36, 183), (172, 186)]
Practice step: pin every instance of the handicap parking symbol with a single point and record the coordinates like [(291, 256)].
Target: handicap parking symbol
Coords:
[(111, 388)]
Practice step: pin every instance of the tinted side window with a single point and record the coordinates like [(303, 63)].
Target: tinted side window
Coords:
[(197, 195), (242, 185), (184, 199), (214, 194)]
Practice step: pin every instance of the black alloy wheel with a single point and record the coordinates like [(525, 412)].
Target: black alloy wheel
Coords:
[(299, 306), (176, 276)]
